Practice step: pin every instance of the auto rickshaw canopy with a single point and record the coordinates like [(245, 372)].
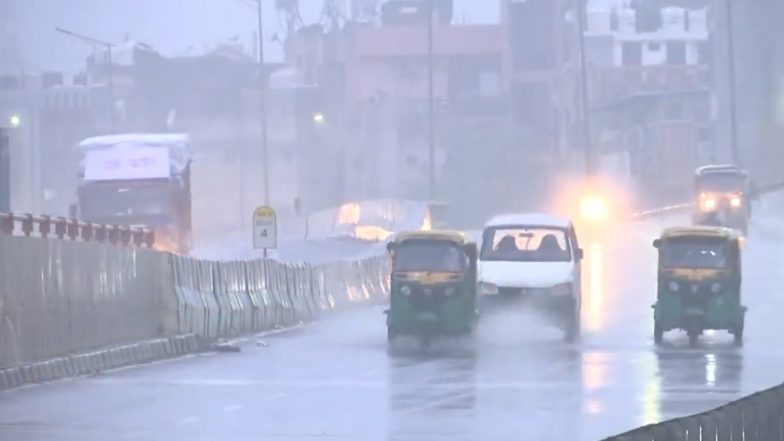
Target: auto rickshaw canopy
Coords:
[(727, 169), (699, 231), (458, 237)]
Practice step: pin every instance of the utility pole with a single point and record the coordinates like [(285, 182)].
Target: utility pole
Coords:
[(108, 47), (263, 106), (431, 102), (733, 83), (590, 155)]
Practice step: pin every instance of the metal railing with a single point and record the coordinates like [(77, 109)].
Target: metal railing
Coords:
[(758, 417), (28, 225)]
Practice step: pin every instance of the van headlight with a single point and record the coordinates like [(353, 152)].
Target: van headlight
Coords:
[(716, 288), (488, 288), (405, 290), (449, 292), (562, 289), (673, 286)]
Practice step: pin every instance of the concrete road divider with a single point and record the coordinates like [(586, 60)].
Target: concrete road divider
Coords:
[(93, 362), (70, 308)]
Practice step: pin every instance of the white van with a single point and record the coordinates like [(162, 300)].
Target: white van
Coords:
[(534, 259)]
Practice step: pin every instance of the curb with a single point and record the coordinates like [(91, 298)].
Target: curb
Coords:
[(90, 363)]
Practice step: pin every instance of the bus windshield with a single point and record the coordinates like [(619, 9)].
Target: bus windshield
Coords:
[(108, 201)]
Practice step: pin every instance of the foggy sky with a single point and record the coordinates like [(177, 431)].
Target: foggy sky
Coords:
[(174, 27)]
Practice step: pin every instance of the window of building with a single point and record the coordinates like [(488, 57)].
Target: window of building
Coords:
[(674, 111), (614, 20), (705, 53), (704, 135), (676, 53), (529, 103), (531, 27), (632, 54)]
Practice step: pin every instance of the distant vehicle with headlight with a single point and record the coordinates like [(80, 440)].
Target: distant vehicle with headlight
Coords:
[(433, 285), (723, 197), (699, 282), (534, 260)]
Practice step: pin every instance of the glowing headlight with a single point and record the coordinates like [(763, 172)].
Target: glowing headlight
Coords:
[(405, 290), (563, 289), (735, 202), (715, 288), (488, 288), (709, 204), (673, 286), (594, 209)]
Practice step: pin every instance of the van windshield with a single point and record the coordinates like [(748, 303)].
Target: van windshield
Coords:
[(698, 253), (526, 244), (429, 256)]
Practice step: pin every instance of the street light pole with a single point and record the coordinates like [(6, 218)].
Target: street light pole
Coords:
[(263, 106), (431, 102), (732, 81), (108, 47), (590, 157)]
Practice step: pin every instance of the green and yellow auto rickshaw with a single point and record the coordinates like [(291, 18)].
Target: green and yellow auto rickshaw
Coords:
[(433, 285), (723, 196), (699, 282)]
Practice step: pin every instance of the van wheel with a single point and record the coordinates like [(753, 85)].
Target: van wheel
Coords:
[(572, 332), (658, 333)]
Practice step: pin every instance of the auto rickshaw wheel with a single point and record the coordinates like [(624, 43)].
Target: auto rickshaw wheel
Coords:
[(694, 337), (658, 332), (738, 333), (572, 332), (391, 335)]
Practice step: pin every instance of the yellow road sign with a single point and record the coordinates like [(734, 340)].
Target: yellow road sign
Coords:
[(265, 228)]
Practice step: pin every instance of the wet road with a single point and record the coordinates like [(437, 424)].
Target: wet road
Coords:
[(515, 380)]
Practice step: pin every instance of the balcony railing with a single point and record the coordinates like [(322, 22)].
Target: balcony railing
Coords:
[(609, 83)]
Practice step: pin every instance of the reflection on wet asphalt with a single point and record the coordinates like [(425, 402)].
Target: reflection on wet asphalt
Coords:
[(515, 379)]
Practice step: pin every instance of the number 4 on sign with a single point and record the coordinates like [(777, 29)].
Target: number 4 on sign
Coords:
[(265, 228)]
